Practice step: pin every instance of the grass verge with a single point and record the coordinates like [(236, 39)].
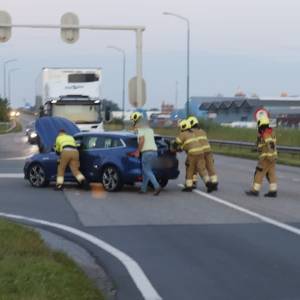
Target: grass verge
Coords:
[(31, 271), (283, 158), (3, 129)]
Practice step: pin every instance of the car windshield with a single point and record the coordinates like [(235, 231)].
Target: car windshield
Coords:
[(78, 113)]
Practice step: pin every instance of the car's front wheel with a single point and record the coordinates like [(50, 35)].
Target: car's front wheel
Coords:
[(37, 176), (111, 179)]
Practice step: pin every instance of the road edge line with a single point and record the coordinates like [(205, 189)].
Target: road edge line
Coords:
[(249, 212), (135, 271)]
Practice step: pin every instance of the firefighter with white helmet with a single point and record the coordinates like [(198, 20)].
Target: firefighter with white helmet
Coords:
[(208, 156), (266, 146), (195, 163)]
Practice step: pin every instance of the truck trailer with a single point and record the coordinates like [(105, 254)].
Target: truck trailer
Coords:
[(72, 93)]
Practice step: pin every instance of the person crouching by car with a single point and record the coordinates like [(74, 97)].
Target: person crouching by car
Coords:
[(65, 147), (148, 150)]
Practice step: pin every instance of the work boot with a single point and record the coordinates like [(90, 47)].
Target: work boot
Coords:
[(59, 187), (194, 186), (214, 186), (271, 194), (187, 189), (85, 185), (252, 193), (157, 191), (209, 187)]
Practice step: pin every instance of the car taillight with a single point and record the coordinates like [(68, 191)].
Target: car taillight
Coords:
[(131, 154)]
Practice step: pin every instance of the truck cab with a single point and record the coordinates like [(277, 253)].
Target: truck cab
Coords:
[(85, 112)]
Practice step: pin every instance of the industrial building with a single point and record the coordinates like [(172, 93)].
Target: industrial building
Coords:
[(285, 111)]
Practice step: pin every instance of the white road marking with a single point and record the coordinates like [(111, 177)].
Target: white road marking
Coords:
[(16, 158), (11, 175), (249, 212), (133, 268), (296, 179)]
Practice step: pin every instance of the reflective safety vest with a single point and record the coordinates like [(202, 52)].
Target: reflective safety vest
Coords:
[(64, 140), (266, 145), (190, 142)]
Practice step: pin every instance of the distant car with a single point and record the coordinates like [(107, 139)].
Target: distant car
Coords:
[(31, 133), (106, 157)]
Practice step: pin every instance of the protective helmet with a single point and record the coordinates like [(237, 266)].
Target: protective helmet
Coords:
[(192, 120), (263, 121), (135, 116), (184, 125)]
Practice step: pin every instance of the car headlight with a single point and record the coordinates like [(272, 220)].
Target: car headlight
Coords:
[(17, 114), (12, 114), (33, 135)]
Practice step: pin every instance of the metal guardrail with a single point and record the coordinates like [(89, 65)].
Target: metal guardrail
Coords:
[(248, 145)]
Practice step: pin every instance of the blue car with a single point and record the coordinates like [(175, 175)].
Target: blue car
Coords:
[(105, 157)]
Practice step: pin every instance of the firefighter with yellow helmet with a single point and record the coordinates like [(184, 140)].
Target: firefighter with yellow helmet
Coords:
[(208, 156), (66, 148), (266, 147), (195, 163)]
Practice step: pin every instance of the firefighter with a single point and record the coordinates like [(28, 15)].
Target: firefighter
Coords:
[(208, 156), (266, 147), (195, 163), (65, 147)]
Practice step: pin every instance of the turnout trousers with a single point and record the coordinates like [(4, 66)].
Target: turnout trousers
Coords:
[(265, 167), (195, 164), (69, 158)]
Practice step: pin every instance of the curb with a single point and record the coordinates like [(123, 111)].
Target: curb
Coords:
[(83, 259)]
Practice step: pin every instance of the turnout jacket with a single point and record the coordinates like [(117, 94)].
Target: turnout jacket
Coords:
[(266, 145), (64, 140), (192, 141)]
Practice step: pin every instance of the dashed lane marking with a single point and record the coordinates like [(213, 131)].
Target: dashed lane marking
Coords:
[(137, 274), (11, 175), (249, 212)]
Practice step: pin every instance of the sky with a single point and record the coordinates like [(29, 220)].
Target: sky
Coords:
[(248, 44)]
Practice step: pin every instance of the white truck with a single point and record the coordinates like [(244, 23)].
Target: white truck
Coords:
[(72, 93)]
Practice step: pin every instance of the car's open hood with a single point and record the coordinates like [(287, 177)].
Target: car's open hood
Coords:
[(47, 129)]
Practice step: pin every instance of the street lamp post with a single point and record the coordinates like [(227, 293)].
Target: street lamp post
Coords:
[(9, 83), (124, 70), (4, 75), (187, 58)]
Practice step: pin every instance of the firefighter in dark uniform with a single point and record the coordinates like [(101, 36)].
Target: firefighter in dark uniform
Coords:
[(65, 146), (266, 146), (208, 156), (188, 141)]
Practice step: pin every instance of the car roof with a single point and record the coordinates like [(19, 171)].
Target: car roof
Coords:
[(118, 134)]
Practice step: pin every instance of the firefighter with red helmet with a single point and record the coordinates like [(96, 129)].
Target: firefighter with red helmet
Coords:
[(266, 146)]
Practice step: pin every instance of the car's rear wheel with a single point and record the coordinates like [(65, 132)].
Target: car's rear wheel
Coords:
[(111, 179), (37, 176)]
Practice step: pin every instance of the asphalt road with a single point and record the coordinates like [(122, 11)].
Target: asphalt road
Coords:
[(188, 245)]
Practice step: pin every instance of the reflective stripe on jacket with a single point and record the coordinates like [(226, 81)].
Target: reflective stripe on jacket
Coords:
[(202, 138), (190, 142), (64, 140), (266, 145)]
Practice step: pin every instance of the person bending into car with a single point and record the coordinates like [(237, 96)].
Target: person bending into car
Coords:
[(148, 150), (65, 147)]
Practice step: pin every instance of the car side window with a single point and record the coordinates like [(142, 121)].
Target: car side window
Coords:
[(111, 142), (101, 142), (90, 142)]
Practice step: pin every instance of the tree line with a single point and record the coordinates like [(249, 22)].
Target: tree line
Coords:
[(4, 110)]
